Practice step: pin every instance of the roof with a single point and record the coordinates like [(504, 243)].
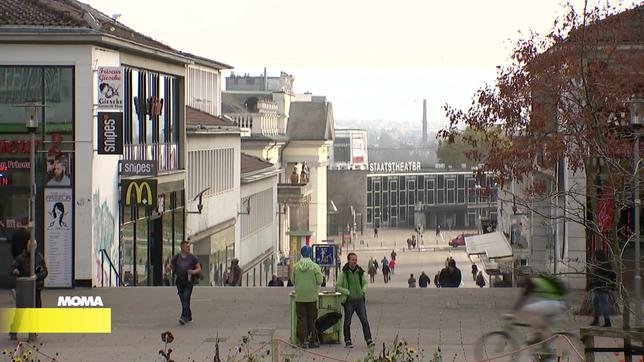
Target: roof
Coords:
[(494, 245), (310, 121), (207, 62), (624, 27), (196, 117), (70, 13), (251, 164)]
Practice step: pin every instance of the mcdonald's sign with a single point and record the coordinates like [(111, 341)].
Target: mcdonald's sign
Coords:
[(139, 192)]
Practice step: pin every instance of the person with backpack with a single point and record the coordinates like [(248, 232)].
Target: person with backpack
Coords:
[(385, 272), (423, 280), (352, 284), (542, 301), (475, 270)]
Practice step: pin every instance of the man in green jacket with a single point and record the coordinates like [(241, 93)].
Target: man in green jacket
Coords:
[(307, 279), (352, 283)]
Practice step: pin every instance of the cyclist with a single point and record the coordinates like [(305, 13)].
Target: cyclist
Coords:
[(541, 302)]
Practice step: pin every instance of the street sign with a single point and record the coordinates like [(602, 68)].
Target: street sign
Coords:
[(134, 168)]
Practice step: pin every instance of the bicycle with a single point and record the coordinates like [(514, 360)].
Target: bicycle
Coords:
[(505, 345)]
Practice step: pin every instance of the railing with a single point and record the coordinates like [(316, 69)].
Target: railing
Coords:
[(166, 154), (104, 255)]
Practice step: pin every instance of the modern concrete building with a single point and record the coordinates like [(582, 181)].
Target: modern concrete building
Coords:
[(349, 150)]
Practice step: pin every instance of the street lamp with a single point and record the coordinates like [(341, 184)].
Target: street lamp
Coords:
[(636, 122)]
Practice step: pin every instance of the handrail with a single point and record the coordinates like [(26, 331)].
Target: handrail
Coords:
[(112, 267)]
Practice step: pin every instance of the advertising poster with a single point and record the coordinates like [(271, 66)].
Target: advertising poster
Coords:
[(58, 237), (110, 87), (358, 150)]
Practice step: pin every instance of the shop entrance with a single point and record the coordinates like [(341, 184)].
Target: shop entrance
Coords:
[(155, 246)]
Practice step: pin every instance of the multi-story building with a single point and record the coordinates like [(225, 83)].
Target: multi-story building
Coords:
[(349, 150), (104, 94), (294, 133)]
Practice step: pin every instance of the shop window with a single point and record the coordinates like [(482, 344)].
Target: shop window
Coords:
[(18, 85), (127, 254), (59, 98), (141, 252)]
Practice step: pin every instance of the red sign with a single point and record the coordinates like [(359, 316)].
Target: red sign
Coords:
[(24, 146), (605, 211)]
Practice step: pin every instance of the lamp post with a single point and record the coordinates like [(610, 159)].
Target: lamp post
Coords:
[(32, 110), (636, 122)]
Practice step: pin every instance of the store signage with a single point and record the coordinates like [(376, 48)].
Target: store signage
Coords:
[(23, 145), (110, 133), (139, 192), (394, 167), (134, 168), (110, 84)]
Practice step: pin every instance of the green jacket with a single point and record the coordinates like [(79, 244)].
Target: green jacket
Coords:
[(352, 284), (307, 279)]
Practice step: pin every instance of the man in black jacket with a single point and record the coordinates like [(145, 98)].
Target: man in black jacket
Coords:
[(450, 277), (21, 267)]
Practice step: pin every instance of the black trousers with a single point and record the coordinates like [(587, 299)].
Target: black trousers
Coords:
[(185, 292), (359, 307), (307, 314)]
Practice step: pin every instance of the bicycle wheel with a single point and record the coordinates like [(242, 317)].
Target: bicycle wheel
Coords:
[(566, 348), (496, 345)]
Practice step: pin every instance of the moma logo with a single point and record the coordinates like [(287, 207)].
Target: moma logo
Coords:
[(77, 301)]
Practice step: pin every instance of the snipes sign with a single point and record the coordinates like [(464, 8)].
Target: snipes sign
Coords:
[(139, 192)]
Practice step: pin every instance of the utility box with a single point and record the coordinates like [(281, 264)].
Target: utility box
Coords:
[(328, 302)]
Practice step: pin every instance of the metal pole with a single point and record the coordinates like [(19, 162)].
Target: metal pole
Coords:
[(636, 226), (32, 209)]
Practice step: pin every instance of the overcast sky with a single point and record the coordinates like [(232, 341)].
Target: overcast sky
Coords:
[(371, 58)]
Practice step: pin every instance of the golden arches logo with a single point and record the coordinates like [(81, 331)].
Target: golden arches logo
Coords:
[(139, 188)]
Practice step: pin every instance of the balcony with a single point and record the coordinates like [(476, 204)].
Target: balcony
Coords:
[(293, 193), (166, 154)]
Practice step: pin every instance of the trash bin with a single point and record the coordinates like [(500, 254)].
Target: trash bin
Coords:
[(25, 292), (329, 305), (328, 302)]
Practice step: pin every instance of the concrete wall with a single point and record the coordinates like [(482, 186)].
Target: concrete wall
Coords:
[(264, 238), (213, 213)]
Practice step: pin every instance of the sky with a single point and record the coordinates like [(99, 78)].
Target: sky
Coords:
[(372, 59)]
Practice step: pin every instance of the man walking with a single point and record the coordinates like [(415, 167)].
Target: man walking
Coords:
[(352, 284), (450, 277), (307, 279), (186, 268)]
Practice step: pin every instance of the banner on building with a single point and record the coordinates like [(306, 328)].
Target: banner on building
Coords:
[(358, 149), (110, 87), (59, 237), (110, 133), (139, 192)]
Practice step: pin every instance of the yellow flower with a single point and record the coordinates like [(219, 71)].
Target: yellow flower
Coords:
[(411, 350)]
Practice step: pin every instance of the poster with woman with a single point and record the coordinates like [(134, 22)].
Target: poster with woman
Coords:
[(58, 237)]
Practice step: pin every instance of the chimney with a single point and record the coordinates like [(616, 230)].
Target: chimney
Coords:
[(265, 80), (424, 121)]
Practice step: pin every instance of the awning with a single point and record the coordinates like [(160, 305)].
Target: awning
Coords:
[(493, 245)]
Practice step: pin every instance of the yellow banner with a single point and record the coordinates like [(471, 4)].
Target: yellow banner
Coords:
[(56, 320)]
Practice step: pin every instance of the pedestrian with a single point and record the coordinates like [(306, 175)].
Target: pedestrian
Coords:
[(436, 280), (392, 266), (408, 243), (186, 269), (393, 254), (352, 284), (385, 272), (276, 282), (411, 281), (447, 262), (480, 280), (438, 230), (22, 246), (372, 273), (413, 243), (602, 281), (423, 280), (327, 272), (384, 261), (375, 232), (450, 277), (475, 270), (234, 274), (307, 279)]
